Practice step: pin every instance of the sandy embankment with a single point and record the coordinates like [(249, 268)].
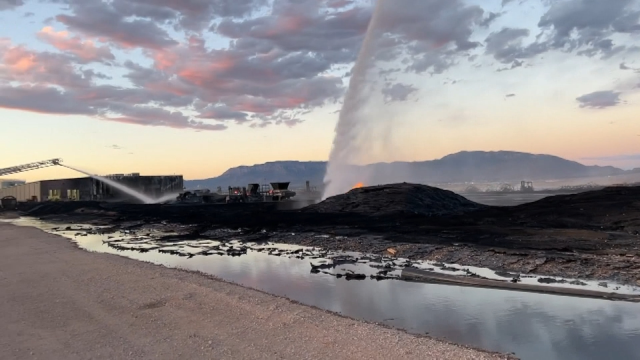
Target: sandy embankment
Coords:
[(60, 302)]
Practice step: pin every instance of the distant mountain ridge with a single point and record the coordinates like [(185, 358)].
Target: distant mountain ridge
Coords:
[(465, 166)]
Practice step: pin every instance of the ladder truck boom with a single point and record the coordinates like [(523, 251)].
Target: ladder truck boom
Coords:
[(28, 167)]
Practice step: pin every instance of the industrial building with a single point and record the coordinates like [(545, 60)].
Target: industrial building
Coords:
[(7, 183), (87, 188)]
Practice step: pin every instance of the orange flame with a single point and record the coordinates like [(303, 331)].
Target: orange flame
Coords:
[(358, 185)]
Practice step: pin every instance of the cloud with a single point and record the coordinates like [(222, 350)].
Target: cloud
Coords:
[(514, 65), (153, 116), (433, 23), (118, 18), (624, 66), (101, 20), (397, 92), (10, 4), (429, 32), (267, 85), (52, 84), (19, 64), (628, 23), (506, 45), (589, 23), (491, 17), (605, 47), (222, 112), (585, 27), (85, 50), (42, 99), (428, 35), (193, 15), (273, 94), (301, 27), (599, 99), (273, 61)]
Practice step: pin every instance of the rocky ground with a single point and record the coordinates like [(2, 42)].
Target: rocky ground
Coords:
[(592, 235), (59, 302)]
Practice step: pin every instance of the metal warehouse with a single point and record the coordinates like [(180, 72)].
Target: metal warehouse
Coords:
[(88, 188)]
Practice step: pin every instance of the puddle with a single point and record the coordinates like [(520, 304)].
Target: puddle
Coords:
[(533, 326)]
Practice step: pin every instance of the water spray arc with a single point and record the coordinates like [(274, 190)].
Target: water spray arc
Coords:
[(58, 162), (336, 180), (125, 189)]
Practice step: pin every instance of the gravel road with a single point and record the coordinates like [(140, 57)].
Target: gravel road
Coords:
[(60, 302)]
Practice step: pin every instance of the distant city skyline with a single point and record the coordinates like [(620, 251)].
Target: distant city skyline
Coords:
[(194, 88)]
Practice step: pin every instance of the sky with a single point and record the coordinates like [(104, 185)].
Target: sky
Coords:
[(194, 87)]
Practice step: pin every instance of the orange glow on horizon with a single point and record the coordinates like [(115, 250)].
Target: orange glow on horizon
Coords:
[(358, 185)]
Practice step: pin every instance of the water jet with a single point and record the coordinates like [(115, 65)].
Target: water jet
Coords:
[(125, 189), (351, 115)]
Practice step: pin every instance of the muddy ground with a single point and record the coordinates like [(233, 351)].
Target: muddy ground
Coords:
[(593, 235)]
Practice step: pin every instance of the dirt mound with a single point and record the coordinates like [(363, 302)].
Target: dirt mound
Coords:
[(610, 208), (397, 199)]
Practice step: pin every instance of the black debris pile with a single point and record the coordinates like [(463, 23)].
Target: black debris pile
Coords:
[(397, 199), (61, 207)]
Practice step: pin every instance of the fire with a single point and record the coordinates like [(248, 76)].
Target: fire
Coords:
[(358, 185)]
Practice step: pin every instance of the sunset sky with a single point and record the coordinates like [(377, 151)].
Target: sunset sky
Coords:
[(194, 87)]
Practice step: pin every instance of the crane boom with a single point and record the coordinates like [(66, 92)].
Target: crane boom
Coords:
[(28, 167)]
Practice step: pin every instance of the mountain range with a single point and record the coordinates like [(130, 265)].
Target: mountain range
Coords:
[(466, 166)]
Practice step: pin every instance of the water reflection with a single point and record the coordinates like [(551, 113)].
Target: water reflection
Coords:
[(534, 326), (506, 199)]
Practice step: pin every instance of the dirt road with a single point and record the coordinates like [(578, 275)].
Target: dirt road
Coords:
[(60, 302)]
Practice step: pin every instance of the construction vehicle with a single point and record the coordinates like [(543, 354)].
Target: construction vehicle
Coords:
[(526, 186), (200, 196), (236, 194), (280, 191)]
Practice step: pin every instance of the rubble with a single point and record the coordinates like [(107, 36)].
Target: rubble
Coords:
[(590, 235), (397, 199)]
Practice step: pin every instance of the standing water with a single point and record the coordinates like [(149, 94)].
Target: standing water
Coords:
[(533, 326)]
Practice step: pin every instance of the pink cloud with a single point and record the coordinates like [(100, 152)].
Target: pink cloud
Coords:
[(19, 64), (245, 81), (51, 84), (85, 50), (17, 60)]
